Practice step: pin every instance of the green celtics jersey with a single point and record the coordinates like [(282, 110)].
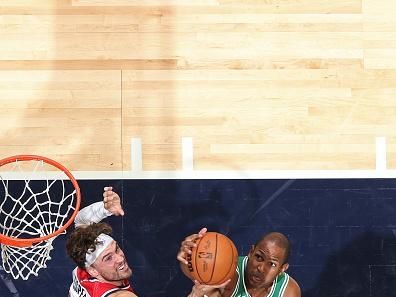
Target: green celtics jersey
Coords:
[(277, 289)]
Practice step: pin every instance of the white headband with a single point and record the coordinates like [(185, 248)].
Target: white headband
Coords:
[(101, 242)]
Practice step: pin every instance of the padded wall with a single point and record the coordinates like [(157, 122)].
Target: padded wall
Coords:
[(343, 232)]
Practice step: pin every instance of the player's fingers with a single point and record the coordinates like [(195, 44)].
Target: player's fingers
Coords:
[(118, 211), (188, 244), (111, 197), (202, 232), (114, 206), (186, 250), (108, 199), (181, 257), (200, 289), (192, 237), (114, 198), (110, 202), (107, 194), (105, 189)]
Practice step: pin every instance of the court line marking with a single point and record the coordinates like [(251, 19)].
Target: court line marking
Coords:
[(220, 174), (188, 172), (243, 174), (136, 154), (187, 154), (380, 154)]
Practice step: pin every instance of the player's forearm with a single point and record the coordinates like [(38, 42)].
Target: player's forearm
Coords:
[(93, 213)]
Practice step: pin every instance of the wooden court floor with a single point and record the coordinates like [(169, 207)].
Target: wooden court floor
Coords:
[(255, 84)]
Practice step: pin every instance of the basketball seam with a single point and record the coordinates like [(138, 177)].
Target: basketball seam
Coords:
[(233, 255), (214, 260), (196, 260)]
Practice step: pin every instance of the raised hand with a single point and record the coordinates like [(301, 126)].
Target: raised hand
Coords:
[(187, 244), (112, 202)]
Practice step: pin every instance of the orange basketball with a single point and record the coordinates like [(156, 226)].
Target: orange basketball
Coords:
[(214, 260)]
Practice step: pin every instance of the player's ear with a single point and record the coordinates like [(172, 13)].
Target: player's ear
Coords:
[(251, 251), (92, 271), (284, 267)]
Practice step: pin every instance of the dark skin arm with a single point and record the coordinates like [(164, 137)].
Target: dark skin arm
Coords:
[(292, 289)]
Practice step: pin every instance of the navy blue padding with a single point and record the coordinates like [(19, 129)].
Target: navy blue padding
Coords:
[(343, 232)]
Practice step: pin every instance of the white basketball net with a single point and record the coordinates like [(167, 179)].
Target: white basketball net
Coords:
[(38, 200), (25, 261)]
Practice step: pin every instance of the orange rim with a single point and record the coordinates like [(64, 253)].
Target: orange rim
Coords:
[(18, 242)]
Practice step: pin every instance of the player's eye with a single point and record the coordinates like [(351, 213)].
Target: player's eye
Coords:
[(108, 258), (259, 257)]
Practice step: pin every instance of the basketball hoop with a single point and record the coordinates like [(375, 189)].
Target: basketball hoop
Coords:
[(40, 199)]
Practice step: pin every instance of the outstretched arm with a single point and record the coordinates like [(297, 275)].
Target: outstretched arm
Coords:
[(96, 212)]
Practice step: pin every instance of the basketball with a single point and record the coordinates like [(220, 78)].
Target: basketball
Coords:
[(214, 260)]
